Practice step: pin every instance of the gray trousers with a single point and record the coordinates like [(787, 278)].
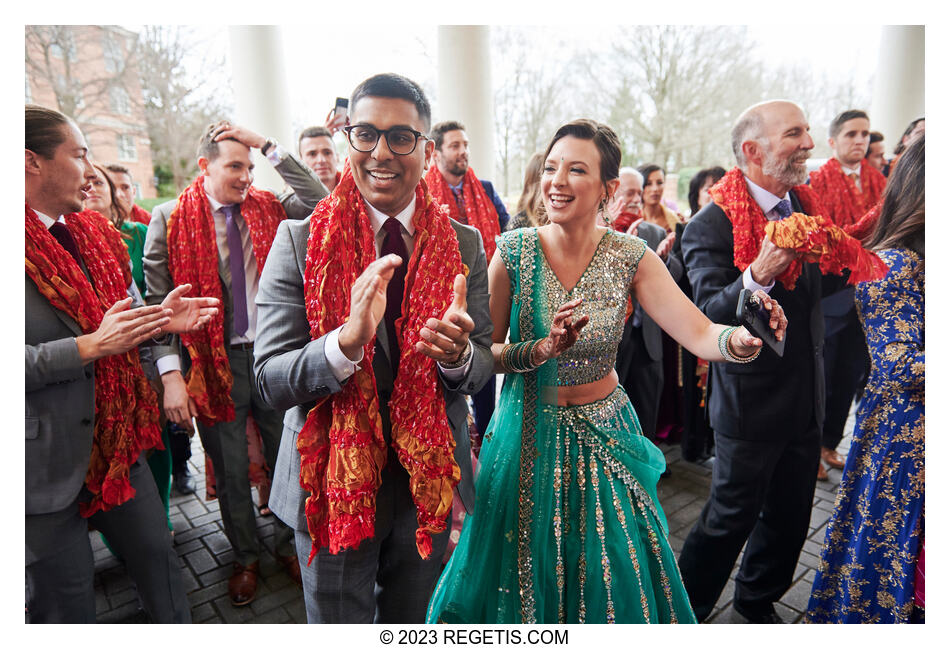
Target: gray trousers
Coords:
[(384, 579), (226, 443), (60, 565)]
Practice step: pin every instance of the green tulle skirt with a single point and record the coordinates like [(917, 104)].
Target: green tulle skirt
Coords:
[(567, 526)]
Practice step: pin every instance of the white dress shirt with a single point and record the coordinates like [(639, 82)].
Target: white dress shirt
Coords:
[(341, 366)]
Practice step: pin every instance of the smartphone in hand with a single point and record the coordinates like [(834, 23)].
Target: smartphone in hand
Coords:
[(753, 316)]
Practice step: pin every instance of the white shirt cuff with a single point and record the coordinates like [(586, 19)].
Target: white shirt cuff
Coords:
[(167, 364), (341, 366), (276, 155), (456, 374), (751, 284)]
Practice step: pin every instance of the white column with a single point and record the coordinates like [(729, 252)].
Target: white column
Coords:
[(261, 92), (898, 94), (465, 91)]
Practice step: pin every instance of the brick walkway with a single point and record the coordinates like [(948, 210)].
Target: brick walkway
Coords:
[(206, 556)]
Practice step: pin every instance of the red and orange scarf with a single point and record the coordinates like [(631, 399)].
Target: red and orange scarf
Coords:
[(342, 449), (479, 210), (139, 215), (193, 259), (844, 203), (126, 420), (815, 235)]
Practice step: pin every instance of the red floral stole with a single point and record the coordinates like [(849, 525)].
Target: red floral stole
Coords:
[(479, 210), (126, 420), (732, 195), (193, 259), (140, 215), (844, 203), (342, 449), (810, 233)]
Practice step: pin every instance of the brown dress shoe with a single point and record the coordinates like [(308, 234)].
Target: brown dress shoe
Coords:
[(832, 458), (242, 586), (292, 566), (822, 474)]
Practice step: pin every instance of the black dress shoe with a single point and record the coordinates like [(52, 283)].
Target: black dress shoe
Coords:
[(765, 616), (183, 483)]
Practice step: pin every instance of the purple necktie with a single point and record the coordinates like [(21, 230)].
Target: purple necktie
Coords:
[(61, 233), (393, 244), (238, 278), (783, 208), (460, 202)]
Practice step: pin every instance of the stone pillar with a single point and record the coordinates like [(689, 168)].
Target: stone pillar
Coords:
[(898, 95), (261, 92), (465, 91)]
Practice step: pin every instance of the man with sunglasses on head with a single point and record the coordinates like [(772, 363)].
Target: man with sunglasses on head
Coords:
[(373, 325)]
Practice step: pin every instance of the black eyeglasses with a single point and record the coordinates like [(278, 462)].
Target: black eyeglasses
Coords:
[(401, 140)]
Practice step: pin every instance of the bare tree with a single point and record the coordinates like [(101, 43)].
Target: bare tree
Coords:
[(69, 59), (179, 102), (676, 88), (529, 100)]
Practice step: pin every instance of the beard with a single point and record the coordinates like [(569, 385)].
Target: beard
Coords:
[(787, 171), (459, 168)]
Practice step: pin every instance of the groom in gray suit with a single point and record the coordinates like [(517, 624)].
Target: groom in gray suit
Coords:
[(384, 578)]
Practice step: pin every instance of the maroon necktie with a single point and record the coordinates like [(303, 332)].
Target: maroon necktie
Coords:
[(238, 276), (61, 233), (460, 202), (393, 244)]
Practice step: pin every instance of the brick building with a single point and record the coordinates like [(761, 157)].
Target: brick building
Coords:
[(88, 72)]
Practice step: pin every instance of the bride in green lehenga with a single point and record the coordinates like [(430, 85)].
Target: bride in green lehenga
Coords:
[(567, 526)]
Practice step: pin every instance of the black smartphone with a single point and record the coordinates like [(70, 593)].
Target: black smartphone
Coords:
[(753, 316), (342, 104)]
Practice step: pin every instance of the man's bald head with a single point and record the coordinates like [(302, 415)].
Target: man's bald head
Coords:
[(772, 144), (754, 122)]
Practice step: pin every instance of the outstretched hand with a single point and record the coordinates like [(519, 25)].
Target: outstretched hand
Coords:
[(563, 335), (188, 313), (445, 340)]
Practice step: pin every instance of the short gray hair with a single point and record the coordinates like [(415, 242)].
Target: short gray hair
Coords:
[(749, 126), (631, 170)]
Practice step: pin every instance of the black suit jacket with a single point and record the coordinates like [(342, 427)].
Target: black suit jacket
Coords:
[(771, 397)]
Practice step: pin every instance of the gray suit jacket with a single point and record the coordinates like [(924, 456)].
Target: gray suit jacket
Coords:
[(60, 405), (292, 370), (308, 191)]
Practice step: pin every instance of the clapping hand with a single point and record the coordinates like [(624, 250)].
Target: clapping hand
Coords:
[(663, 250), (446, 340), (632, 228), (563, 335), (367, 305)]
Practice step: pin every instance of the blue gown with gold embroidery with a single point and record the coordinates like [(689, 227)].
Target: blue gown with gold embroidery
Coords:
[(867, 565), (567, 526)]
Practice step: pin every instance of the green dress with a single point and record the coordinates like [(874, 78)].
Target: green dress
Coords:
[(567, 526), (134, 237)]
